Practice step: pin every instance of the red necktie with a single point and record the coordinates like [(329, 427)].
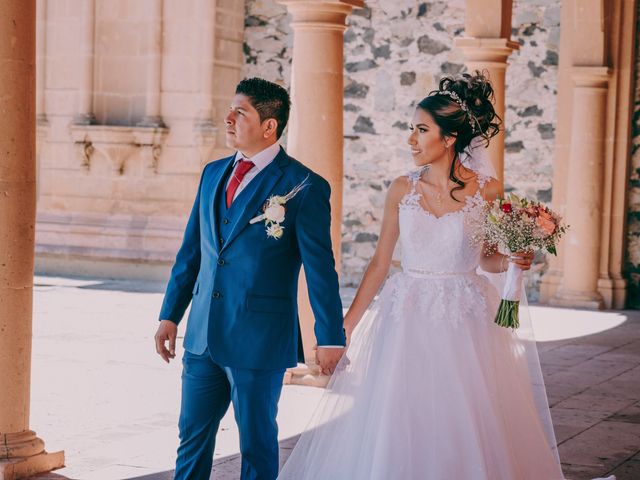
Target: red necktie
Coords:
[(241, 170)]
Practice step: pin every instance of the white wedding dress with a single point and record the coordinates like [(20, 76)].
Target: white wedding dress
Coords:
[(430, 388)]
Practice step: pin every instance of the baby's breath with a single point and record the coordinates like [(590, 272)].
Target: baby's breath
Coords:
[(513, 225)]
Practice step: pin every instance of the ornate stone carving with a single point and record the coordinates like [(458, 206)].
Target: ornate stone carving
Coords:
[(118, 145)]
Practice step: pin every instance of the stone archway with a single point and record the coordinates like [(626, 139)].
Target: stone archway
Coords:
[(592, 152)]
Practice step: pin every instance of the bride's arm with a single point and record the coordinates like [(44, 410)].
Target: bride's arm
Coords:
[(378, 267), (494, 262)]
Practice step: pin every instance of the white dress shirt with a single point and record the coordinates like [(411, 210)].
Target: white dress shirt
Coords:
[(261, 160)]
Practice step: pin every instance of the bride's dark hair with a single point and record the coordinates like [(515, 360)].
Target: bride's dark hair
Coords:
[(462, 106)]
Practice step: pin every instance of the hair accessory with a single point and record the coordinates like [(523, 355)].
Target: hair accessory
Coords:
[(455, 97), (473, 120)]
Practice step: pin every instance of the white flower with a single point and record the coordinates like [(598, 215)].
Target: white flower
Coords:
[(275, 213), (275, 230)]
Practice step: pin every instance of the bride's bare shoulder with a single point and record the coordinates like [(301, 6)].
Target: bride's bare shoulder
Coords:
[(398, 188), (492, 189)]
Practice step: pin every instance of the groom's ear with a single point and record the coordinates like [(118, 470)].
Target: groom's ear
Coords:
[(269, 127)]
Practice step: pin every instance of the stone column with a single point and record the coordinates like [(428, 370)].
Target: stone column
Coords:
[(21, 451), (153, 114), (579, 285), (491, 54), (85, 114), (315, 135), (553, 277), (206, 12)]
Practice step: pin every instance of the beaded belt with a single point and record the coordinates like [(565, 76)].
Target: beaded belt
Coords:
[(417, 273)]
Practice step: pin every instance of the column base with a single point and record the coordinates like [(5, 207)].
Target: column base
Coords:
[(614, 292), (305, 374), (588, 300), (25, 467)]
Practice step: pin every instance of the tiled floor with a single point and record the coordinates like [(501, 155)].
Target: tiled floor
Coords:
[(100, 393)]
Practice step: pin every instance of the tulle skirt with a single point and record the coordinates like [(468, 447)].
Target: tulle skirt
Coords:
[(430, 388)]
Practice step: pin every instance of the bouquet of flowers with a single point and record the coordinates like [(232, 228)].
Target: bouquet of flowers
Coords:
[(518, 225)]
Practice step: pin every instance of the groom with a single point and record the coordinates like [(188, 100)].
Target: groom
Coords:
[(241, 275)]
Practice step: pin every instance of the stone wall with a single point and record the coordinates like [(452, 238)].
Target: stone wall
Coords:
[(633, 234), (395, 53)]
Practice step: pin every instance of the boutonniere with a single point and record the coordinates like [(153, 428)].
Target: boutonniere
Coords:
[(274, 211)]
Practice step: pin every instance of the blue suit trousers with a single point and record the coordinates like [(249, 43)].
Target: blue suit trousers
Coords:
[(207, 391)]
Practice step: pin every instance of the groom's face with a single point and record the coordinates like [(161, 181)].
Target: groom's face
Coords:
[(244, 130)]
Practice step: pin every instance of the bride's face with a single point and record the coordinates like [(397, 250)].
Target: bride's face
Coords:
[(426, 140)]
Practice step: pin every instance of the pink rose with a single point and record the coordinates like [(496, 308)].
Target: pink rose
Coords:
[(545, 222)]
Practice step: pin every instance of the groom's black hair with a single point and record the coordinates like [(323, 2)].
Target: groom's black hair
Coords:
[(269, 99)]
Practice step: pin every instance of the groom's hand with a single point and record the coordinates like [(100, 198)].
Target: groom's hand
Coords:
[(167, 330), (328, 358)]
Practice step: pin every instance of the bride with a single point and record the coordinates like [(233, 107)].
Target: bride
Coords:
[(430, 388)]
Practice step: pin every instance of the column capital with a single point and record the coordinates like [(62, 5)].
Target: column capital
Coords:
[(495, 50), (329, 14), (591, 77)]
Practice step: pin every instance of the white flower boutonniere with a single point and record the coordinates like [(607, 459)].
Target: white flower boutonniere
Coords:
[(274, 211)]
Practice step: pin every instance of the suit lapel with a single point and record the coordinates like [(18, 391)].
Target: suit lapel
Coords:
[(217, 183), (264, 183)]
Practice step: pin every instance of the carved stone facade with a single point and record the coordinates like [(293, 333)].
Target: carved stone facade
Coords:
[(131, 99)]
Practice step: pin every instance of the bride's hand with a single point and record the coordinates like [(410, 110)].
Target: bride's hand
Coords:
[(347, 334), (522, 260)]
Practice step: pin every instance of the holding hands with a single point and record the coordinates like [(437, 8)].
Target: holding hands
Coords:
[(327, 358)]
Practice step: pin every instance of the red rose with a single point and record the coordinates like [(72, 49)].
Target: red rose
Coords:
[(506, 208)]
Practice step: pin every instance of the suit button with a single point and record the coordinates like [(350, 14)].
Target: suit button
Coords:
[(225, 221), (220, 261), (217, 294), (221, 241)]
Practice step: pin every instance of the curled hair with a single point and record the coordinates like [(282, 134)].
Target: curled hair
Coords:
[(269, 99), (462, 107)]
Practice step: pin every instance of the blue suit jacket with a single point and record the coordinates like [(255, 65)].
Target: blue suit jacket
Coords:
[(243, 288)]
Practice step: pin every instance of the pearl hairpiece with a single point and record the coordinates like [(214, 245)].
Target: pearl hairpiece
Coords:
[(455, 97), (473, 120)]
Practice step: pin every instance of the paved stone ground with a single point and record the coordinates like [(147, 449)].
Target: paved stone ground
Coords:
[(100, 393)]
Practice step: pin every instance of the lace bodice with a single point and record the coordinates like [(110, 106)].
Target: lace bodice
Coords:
[(431, 244)]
